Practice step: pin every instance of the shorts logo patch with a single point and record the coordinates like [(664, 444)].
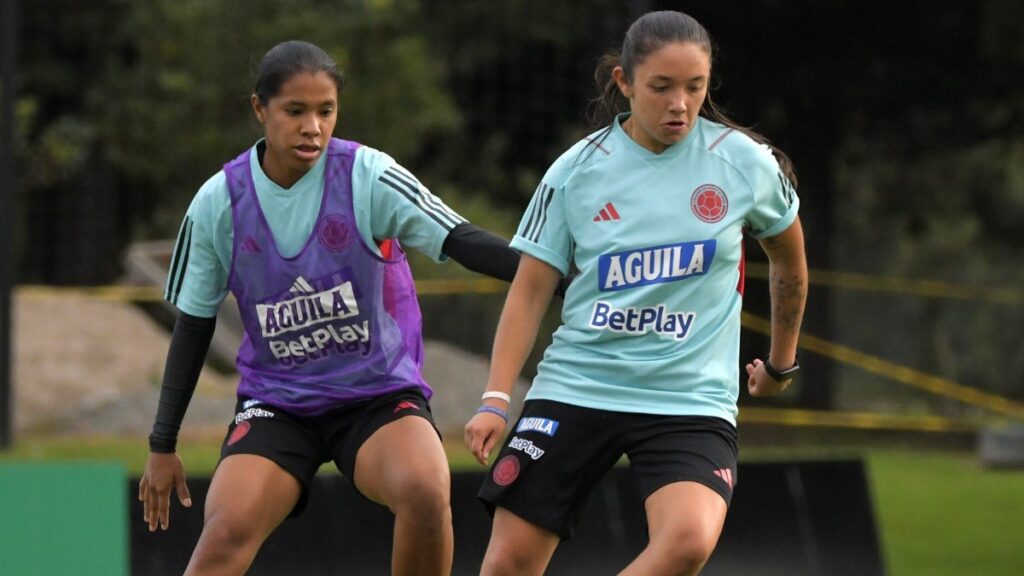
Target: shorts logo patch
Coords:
[(524, 445), (404, 405), (709, 203), (726, 475), (252, 413), (542, 425), (239, 432), (506, 470)]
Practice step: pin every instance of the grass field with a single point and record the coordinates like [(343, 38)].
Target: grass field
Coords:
[(938, 512), (942, 513)]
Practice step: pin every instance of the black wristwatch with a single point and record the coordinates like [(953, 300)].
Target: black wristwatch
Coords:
[(782, 375)]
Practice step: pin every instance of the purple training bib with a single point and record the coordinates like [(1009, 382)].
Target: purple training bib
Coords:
[(332, 325)]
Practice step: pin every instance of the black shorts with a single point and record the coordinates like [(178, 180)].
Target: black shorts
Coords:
[(300, 444), (556, 453)]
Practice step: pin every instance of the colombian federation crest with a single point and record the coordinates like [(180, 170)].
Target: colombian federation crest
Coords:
[(506, 470), (334, 233), (709, 203)]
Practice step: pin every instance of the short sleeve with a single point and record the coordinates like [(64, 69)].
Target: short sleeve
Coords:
[(776, 203), (197, 279), (403, 208), (544, 232)]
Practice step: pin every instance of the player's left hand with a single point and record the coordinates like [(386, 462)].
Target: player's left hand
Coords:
[(481, 434), (759, 383), (164, 473)]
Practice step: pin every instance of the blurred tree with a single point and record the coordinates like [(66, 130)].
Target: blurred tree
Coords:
[(152, 97), (930, 179), (189, 74), (67, 214), (522, 74)]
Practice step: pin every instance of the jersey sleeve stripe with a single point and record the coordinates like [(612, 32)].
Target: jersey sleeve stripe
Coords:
[(403, 175), (787, 189), (533, 210), (537, 208), (428, 200), (179, 261), (548, 194), (444, 220)]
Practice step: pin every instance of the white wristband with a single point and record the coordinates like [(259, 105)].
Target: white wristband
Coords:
[(498, 395)]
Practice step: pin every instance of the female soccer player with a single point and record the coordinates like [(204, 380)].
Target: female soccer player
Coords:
[(303, 230), (651, 210)]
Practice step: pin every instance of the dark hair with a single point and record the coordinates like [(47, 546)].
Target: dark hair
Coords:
[(646, 35), (287, 59)]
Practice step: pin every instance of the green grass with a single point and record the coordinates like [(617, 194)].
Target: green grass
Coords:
[(200, 457), (938, 512), (942, 514)]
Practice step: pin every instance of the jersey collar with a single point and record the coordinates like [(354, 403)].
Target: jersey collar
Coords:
[(669, 153)]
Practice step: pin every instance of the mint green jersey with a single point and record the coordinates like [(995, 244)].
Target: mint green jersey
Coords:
[(388, 202), (652, 322)]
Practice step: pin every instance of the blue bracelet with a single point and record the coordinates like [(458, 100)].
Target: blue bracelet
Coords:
[(493, 410)]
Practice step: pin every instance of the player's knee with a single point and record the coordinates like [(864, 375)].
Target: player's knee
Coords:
[(688, 553), (683, 547), (507, 560), (424, 496), (226, 537)]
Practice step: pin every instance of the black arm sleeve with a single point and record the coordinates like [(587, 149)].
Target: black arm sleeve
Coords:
[(190, 342), (481, 251), (487, 253)]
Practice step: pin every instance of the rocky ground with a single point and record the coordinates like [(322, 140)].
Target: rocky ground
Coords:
[(88, 366)]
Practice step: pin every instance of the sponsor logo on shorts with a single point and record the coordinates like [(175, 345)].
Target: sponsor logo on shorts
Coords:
[(404, 405), (542, 425), (241, 429), (726, 475), (250, 403), (506, 470), (252, 413), (524, 445)]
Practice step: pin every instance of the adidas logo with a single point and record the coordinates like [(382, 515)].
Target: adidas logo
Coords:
[(404, 405), (607, 213), (249, 245), (726, 475), (300, 286)]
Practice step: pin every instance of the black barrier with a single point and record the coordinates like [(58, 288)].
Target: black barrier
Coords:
[(796, 518)]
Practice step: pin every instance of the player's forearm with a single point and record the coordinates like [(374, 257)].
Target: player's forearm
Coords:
[(487, 253), (787, 275), (481, 251), (528, 300), (190, 342)]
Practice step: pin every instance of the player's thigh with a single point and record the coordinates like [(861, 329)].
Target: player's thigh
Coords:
[(403, 461), (550, 462), (517, 546), (686, 515), (290, 444), (250, 495), (667, 449)]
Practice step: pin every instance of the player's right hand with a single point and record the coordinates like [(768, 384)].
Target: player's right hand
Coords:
[(482, 432), (164, 472)]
